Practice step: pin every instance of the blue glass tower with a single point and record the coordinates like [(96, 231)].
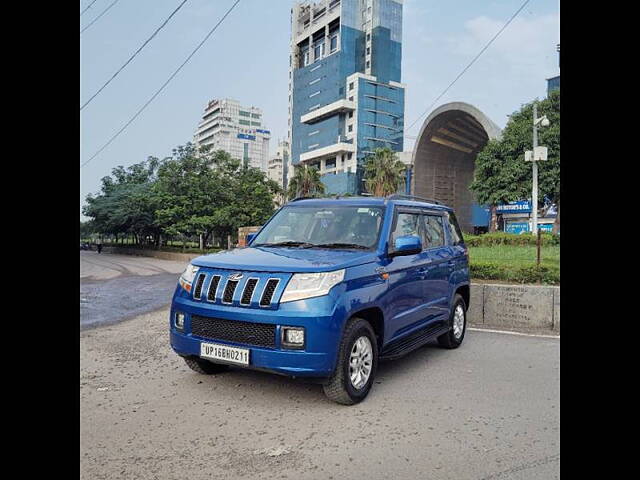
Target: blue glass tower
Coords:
[(345, 95)]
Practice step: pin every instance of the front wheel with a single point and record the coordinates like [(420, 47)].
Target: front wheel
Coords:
[(357, 364), (458, 321)]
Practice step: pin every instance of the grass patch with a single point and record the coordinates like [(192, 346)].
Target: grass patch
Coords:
[(516, 264)]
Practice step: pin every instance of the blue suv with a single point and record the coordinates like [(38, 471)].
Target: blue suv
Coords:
[(326, 289)]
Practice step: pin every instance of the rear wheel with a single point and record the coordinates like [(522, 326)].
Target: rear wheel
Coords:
[(458, 322), (357, 364), (204, 367)]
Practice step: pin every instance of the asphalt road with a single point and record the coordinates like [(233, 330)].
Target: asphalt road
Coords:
[(118, 287), (488, 410)]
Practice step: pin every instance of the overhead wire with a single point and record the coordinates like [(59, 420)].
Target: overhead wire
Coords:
[(130, 121)]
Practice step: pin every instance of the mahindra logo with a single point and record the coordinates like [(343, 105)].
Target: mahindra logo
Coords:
[(235, 276)]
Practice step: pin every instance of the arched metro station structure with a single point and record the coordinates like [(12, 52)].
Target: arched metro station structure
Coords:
[(444, 157)]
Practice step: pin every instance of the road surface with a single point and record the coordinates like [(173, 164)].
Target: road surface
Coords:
[(118, 287), (488, 410)]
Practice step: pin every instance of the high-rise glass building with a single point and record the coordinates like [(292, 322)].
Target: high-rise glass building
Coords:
[(345, 95)]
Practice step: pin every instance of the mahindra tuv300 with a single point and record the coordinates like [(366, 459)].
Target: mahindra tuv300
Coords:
[(326, 289)]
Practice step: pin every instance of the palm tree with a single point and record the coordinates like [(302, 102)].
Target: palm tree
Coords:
[(305, 182), (383, 172)]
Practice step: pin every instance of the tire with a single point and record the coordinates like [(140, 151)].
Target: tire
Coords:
[(450, 339), (204, 367), (339, 387)]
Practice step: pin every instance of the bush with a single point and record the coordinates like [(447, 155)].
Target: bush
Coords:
[(528, 274), (502, 238)]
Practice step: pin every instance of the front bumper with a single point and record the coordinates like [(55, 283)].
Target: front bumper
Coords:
[(319, 316)]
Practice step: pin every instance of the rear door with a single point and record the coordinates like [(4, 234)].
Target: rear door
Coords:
[(440, 266), (459, 255)]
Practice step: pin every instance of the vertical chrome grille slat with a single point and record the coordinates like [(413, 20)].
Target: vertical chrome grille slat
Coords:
[(197, 291), (249, 288), (268, 291), (229, 290), (212, 293)]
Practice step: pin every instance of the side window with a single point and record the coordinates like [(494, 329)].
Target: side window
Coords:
[(456, 233), (406, 224), (434, 231)]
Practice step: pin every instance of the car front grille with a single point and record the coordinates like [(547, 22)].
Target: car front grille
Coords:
[(244, 289), (246, 333)]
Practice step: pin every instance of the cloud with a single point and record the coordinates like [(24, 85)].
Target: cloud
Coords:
[(526, 45)]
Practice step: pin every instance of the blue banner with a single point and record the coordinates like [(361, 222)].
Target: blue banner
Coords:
[(246, 137), (522, 206)]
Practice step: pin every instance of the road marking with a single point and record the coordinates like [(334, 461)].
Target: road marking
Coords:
[(513, 333)]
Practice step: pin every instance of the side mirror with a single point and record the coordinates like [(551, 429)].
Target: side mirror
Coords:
[(407, 245), (250, 238)]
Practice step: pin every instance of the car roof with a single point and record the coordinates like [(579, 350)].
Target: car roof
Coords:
[(364, 201)]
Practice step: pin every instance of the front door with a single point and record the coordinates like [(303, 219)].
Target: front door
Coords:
[(406, 306)]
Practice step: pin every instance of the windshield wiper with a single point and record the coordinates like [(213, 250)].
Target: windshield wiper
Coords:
[(340, 245), (285, 244)]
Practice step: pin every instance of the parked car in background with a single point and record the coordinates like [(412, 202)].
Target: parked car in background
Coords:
[(326, 289)]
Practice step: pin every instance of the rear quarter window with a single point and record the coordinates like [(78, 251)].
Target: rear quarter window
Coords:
[(456, 232)]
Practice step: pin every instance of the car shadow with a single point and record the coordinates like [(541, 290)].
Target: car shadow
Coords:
[(265, 387)]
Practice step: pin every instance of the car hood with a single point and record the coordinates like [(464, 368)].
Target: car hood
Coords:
[(269, 259)]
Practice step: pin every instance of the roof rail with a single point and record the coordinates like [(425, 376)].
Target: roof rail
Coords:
[(398, 196), (301, 198)]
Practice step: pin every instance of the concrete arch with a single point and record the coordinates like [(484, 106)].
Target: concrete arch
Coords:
[(444, 156)]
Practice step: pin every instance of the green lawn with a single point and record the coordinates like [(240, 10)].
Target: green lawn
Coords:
[(515, 264)]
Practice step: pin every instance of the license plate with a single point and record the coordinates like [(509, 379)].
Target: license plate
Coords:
[(215, 351)]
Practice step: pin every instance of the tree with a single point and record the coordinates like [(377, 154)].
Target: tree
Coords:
[(126, 203), (502, 175), (203, 193), (193, 192), (383, 172), (86, 229), (305, 182)]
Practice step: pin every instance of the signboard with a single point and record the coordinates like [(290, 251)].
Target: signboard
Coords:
[(522, 206), (263, 131), (545, 227), (538, 154), (246, 137), (480, 215), (517, 227)]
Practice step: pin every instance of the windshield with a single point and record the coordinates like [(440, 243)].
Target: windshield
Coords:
[(322, 227)]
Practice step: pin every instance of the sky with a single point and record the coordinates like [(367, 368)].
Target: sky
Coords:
[(247, 59)]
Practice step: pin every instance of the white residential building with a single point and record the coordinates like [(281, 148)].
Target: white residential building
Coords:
[(238, 130), (277, 169)]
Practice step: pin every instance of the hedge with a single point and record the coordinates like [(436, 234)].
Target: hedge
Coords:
[(501, 238), (530, 274)]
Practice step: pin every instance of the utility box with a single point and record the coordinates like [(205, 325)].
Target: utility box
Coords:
[(243, 232)]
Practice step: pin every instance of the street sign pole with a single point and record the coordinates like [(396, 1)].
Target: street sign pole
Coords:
[(534, 193)]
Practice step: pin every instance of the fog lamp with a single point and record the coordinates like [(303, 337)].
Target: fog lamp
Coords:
[(179, 321), (293, 337)]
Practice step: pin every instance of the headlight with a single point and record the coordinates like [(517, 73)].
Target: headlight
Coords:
[(186, 279), (308, 285)]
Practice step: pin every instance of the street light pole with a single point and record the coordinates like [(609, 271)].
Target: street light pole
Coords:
[(534, 193)]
